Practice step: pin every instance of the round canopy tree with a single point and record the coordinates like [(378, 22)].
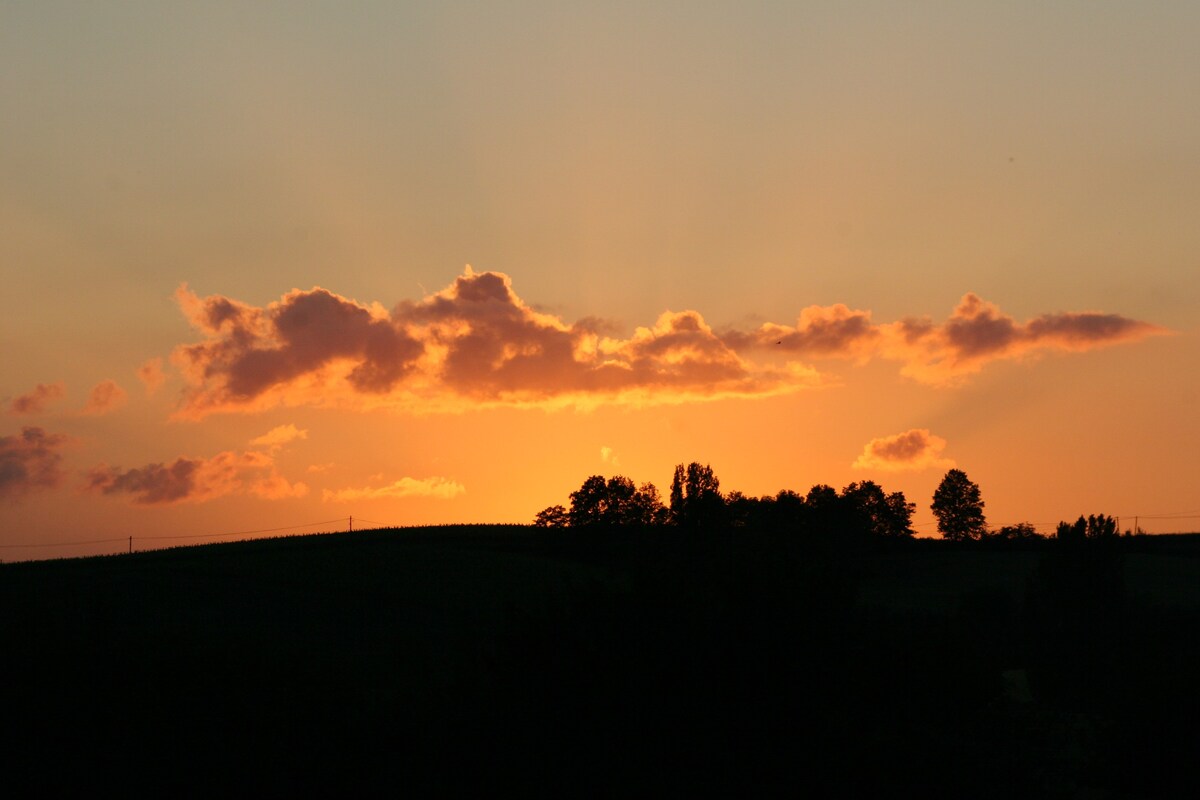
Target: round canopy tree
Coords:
[(959, 508)]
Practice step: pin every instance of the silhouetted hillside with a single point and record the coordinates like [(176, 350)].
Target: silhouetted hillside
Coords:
[(595, 660)]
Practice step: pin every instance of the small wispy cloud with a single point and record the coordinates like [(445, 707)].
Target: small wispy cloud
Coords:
[(442, 488), (279, 436), (105, 397), (151, 375)]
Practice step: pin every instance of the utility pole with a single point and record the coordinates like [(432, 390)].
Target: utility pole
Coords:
[(130, 545), (352, 523)]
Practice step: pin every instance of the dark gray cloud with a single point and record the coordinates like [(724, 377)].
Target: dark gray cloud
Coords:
[(29, 461)]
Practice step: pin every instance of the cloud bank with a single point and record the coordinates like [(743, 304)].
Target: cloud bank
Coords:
[(476, 343), (442, 488), (29, 461), (914, 449)]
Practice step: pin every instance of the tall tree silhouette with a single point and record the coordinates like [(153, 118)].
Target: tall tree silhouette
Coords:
[(676, 503), (696, 499), (958, 506), (1097, 527), (1100, 526)]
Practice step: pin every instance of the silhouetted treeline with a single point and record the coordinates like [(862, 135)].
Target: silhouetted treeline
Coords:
[(695, 503), (862, 511)]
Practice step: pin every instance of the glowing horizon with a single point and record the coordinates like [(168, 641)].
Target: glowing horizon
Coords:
[(801, 244)]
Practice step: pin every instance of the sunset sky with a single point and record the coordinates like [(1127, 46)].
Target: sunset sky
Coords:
[(801, 242)]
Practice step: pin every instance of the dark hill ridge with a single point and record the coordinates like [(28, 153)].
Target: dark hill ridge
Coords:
[(458, 656)]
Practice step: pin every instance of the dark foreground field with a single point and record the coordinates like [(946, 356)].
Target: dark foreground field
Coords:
[(595, 663)]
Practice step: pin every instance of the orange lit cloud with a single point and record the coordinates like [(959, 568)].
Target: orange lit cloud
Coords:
[(294, 351), (474, 343), (976, 334), (151, 375), (438, 487), (36, 400), (105, 397), (196, 480), (30, 460), (912, 450), (279, 436), (820, 331)]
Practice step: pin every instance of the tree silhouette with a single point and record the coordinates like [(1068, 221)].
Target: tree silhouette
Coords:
[(877, 513), (1095, 527), (824, 513), (1072, 533), (1101, 527), (618, 501), (677, 481), (552, 517), (959, 508), (1021, 532), (741, 510), (696, 499), (647, 507), (895, 520), (786, 510), (614, 502), (588, 502)]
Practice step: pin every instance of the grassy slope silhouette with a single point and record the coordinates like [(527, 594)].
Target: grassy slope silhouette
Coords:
[(588, 661)]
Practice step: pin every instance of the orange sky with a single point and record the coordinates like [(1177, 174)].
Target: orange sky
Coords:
[(804, 245)]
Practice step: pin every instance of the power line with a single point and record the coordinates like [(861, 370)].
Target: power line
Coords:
[(377, 522), (181, 536), (1165, 516), (65, 544), (245, 533)]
